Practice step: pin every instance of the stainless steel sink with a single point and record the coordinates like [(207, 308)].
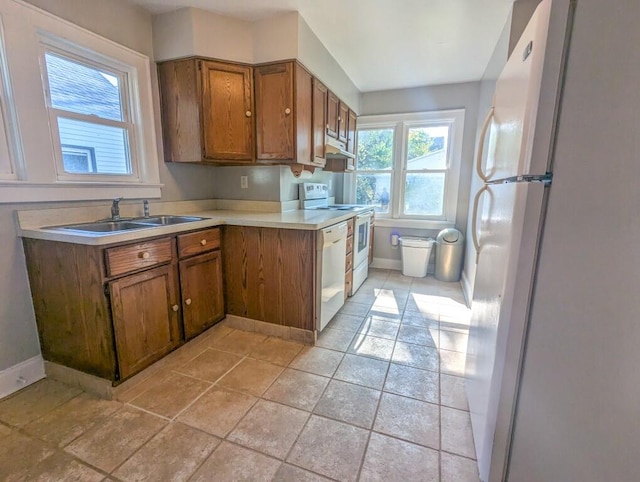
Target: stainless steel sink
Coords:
[(129, 224), (166, 220)]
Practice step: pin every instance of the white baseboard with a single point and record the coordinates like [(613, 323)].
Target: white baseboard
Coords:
[(19, 376), (467, 291)]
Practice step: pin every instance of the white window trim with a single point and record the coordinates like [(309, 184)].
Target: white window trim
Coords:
[(25, 26), (401, 123)]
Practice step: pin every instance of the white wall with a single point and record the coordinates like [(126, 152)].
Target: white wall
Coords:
[(440, 97), (577, 416)]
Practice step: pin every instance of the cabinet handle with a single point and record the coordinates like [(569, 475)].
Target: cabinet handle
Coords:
[(175, 307), (327, 126), (144, 255), (339, 119), (248, 113), (203, 242), (188, 301), (287, 111)]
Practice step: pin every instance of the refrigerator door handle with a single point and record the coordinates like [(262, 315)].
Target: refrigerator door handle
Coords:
[(483, 134), (474, 221)]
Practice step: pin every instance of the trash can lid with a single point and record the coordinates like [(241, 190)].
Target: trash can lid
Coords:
[(413, 242), (450, 236)]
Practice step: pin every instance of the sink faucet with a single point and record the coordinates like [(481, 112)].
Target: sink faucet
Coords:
[(145, 205), (115, 209)]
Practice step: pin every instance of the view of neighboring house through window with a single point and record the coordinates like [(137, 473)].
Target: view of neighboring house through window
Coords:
[(408, 165), (87, 103)]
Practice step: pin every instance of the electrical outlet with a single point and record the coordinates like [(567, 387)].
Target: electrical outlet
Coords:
[(244, 182)]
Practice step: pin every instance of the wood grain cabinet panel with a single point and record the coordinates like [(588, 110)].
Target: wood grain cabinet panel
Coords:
[(198, 242), (319, 129), (333, 112), (343, 121), (202, 292), (352, 131), (145, 317), (125, 259)]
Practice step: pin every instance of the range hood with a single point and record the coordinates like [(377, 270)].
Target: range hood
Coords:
[(336, 150)]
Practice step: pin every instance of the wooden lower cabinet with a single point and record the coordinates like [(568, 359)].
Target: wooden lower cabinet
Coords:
[(202, 292), (145, 314)]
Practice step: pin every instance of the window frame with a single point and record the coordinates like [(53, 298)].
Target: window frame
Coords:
[(401, 123)]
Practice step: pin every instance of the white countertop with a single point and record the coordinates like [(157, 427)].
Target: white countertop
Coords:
[(295, 219)]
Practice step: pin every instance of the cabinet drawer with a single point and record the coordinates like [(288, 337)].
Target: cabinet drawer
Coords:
[(349, 263), (349, 245), (198, 242), (124, 259)]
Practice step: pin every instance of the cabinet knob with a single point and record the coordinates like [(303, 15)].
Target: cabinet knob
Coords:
[(287, 111), (188, 301), (144, 255), (248, 113), (339, 119), (175, 307), (203, 242), (327, 126)]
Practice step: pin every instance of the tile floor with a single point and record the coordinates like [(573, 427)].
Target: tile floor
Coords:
[(379, 398)]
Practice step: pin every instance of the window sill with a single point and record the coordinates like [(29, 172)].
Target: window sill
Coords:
[(26, 192), (412, 223)]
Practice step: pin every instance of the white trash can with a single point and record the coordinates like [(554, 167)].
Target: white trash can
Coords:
[(415, 253)]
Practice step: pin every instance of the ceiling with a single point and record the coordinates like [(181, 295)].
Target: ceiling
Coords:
[(385, 44)]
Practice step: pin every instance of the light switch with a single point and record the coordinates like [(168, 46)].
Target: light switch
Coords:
[(244, 182)]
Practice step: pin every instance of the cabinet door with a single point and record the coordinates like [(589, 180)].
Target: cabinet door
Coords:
[(351, 132), (332, 115), (274, 111), (227, 110), (202, 292), (145, 317), (343, 122), (319, 97)]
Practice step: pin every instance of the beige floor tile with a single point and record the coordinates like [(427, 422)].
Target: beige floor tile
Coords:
[(349, 403), (417, 356), (400, 296), (71, 419), (210, 365), (394, 282), (19, 453), (251, 376), (276, 351), (335, 339), (412, 382), (457, 436), (112, 441), (173, 454), (346, 322), (458, 469), (374, 326), (61, 467), (453, 341), (361, 370), (35, 401), (389, 460), (364, 296), (454, 324), (218, 411), (230, 462), (452, 362), (185, 354), (216, 332), (356, 309), (372, 346), (289, 473), (239, 342), (389, 312), (270, 428), (452, 393), (297, 389), (390, 301), (5, 431), (418, 335), (172, 395), (426, 305), (330, 448), (143, 385), (317, 360), (409, 419), (421, 320)]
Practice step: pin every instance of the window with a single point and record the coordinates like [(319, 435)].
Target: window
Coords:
[(87, 107), (408, 165)]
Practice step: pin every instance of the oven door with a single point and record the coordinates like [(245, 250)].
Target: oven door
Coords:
[(362, 241)]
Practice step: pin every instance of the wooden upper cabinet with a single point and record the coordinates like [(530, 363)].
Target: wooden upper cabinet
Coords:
[(351, 132), (283, 113), (343, 121), (227, 111), (207, 111), (319, 95), (333, 112)]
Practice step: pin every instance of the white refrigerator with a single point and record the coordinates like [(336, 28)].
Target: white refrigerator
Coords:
[(508, 218)]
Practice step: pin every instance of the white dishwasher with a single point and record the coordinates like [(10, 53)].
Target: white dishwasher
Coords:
[(332, 251)]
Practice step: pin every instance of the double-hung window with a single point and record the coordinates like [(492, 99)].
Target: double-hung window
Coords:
[(408, 165)]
